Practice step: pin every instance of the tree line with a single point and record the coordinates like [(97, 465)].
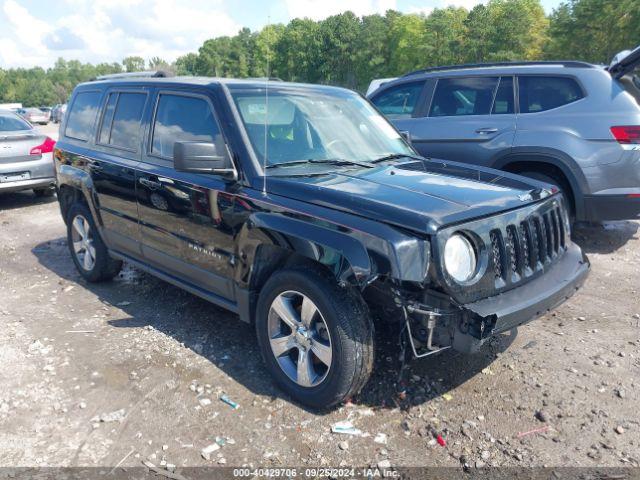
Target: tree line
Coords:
[(349, 51)]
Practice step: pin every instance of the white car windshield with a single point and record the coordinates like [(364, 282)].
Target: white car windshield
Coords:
[(316, 126)]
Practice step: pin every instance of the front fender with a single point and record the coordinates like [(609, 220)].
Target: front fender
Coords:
[(343, 254)]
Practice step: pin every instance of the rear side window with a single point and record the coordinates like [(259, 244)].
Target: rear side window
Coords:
[(121, 120), (399, 101), (181, 118), (463, 96), (82, 116), (538, 94), (12, 123), (504, 102)]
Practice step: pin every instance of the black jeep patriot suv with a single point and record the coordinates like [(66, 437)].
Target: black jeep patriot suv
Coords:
[(303, 210)]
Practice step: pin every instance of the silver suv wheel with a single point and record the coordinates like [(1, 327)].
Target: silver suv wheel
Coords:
[(299, 338), (82, 238)]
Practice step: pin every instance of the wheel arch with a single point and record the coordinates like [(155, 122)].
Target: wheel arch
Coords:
[(552, 163), (269, 242), (76, 185)]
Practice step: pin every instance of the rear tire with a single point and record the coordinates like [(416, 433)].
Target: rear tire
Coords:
[(327, 356), (88, 251), (561, 184)]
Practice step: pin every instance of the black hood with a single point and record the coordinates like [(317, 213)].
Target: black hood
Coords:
[(421, 195)]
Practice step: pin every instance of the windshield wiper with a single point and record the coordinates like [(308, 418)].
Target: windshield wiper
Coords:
[(326, 161), (395, 156)]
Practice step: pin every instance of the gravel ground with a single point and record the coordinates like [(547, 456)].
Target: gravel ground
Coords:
[(133, 369)]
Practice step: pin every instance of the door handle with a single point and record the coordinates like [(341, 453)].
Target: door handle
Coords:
[(150, 183), (486, 130), (93, 165)]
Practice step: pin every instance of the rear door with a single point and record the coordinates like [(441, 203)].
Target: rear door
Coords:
[(112, 162), (468, 119), (185, 216)]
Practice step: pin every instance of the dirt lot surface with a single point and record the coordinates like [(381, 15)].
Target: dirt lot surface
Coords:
[(133, 369)]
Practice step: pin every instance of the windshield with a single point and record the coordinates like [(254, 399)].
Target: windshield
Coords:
[(316, 126), (10, 122)]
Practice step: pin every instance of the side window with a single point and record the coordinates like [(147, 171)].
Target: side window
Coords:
[(182, 118), (400, 101), (82, 116), (504, 102), (121, 120), (538, 93), (463, 96)]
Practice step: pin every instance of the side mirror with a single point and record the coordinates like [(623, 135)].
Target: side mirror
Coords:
[(406, 135), (203, 157)]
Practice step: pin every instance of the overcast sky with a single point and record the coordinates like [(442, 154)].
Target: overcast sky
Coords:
[(35, 32)]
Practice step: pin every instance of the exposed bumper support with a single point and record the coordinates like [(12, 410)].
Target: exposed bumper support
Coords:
[(527, 302), (468, 326)]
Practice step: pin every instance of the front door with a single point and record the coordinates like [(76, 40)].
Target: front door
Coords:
[(469, 119), (184, 217)]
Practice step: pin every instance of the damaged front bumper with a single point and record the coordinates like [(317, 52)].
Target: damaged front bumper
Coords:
[(466, 327)]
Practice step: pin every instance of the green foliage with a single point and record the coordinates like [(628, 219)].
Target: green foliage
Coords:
[(350, 51), (593, 30)]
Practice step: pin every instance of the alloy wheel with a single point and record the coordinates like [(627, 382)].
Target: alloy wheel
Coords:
[(299, 338), (82, 238)]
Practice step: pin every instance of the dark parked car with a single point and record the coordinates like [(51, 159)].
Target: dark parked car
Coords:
[(572, 124), (307, 214)]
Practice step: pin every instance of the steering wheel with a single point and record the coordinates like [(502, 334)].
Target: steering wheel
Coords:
[(337, 141)]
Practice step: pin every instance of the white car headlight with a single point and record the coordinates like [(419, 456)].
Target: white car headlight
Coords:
[(460, 258)]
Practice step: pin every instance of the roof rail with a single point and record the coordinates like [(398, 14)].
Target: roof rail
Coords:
[(124, 75), (562, 63), (264, 79)]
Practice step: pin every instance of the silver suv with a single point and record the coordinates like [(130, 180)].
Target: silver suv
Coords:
[(572, 124)]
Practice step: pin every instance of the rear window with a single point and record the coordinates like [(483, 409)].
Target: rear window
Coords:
[(182, 119), (121, 121), (10, 122), (540, 93), (399, 101), (463, 96), (82, 116)]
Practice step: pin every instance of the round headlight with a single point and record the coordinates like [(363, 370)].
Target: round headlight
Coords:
[(459, 258)]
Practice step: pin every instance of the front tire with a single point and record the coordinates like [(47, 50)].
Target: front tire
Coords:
[(88, 251), (316, 338)]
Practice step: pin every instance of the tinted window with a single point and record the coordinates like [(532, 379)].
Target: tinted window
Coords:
[(107, 118), (12, 123), (538, 94), (504, 103), (82, 115), (180, 118), (463, 96), (400, 101), (124, 130)]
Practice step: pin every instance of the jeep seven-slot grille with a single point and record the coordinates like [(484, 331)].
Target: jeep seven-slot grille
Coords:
[(521, 249)]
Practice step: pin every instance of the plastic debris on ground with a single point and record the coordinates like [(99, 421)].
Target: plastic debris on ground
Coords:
[(208, 450), (346, 427), (229, 402)]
